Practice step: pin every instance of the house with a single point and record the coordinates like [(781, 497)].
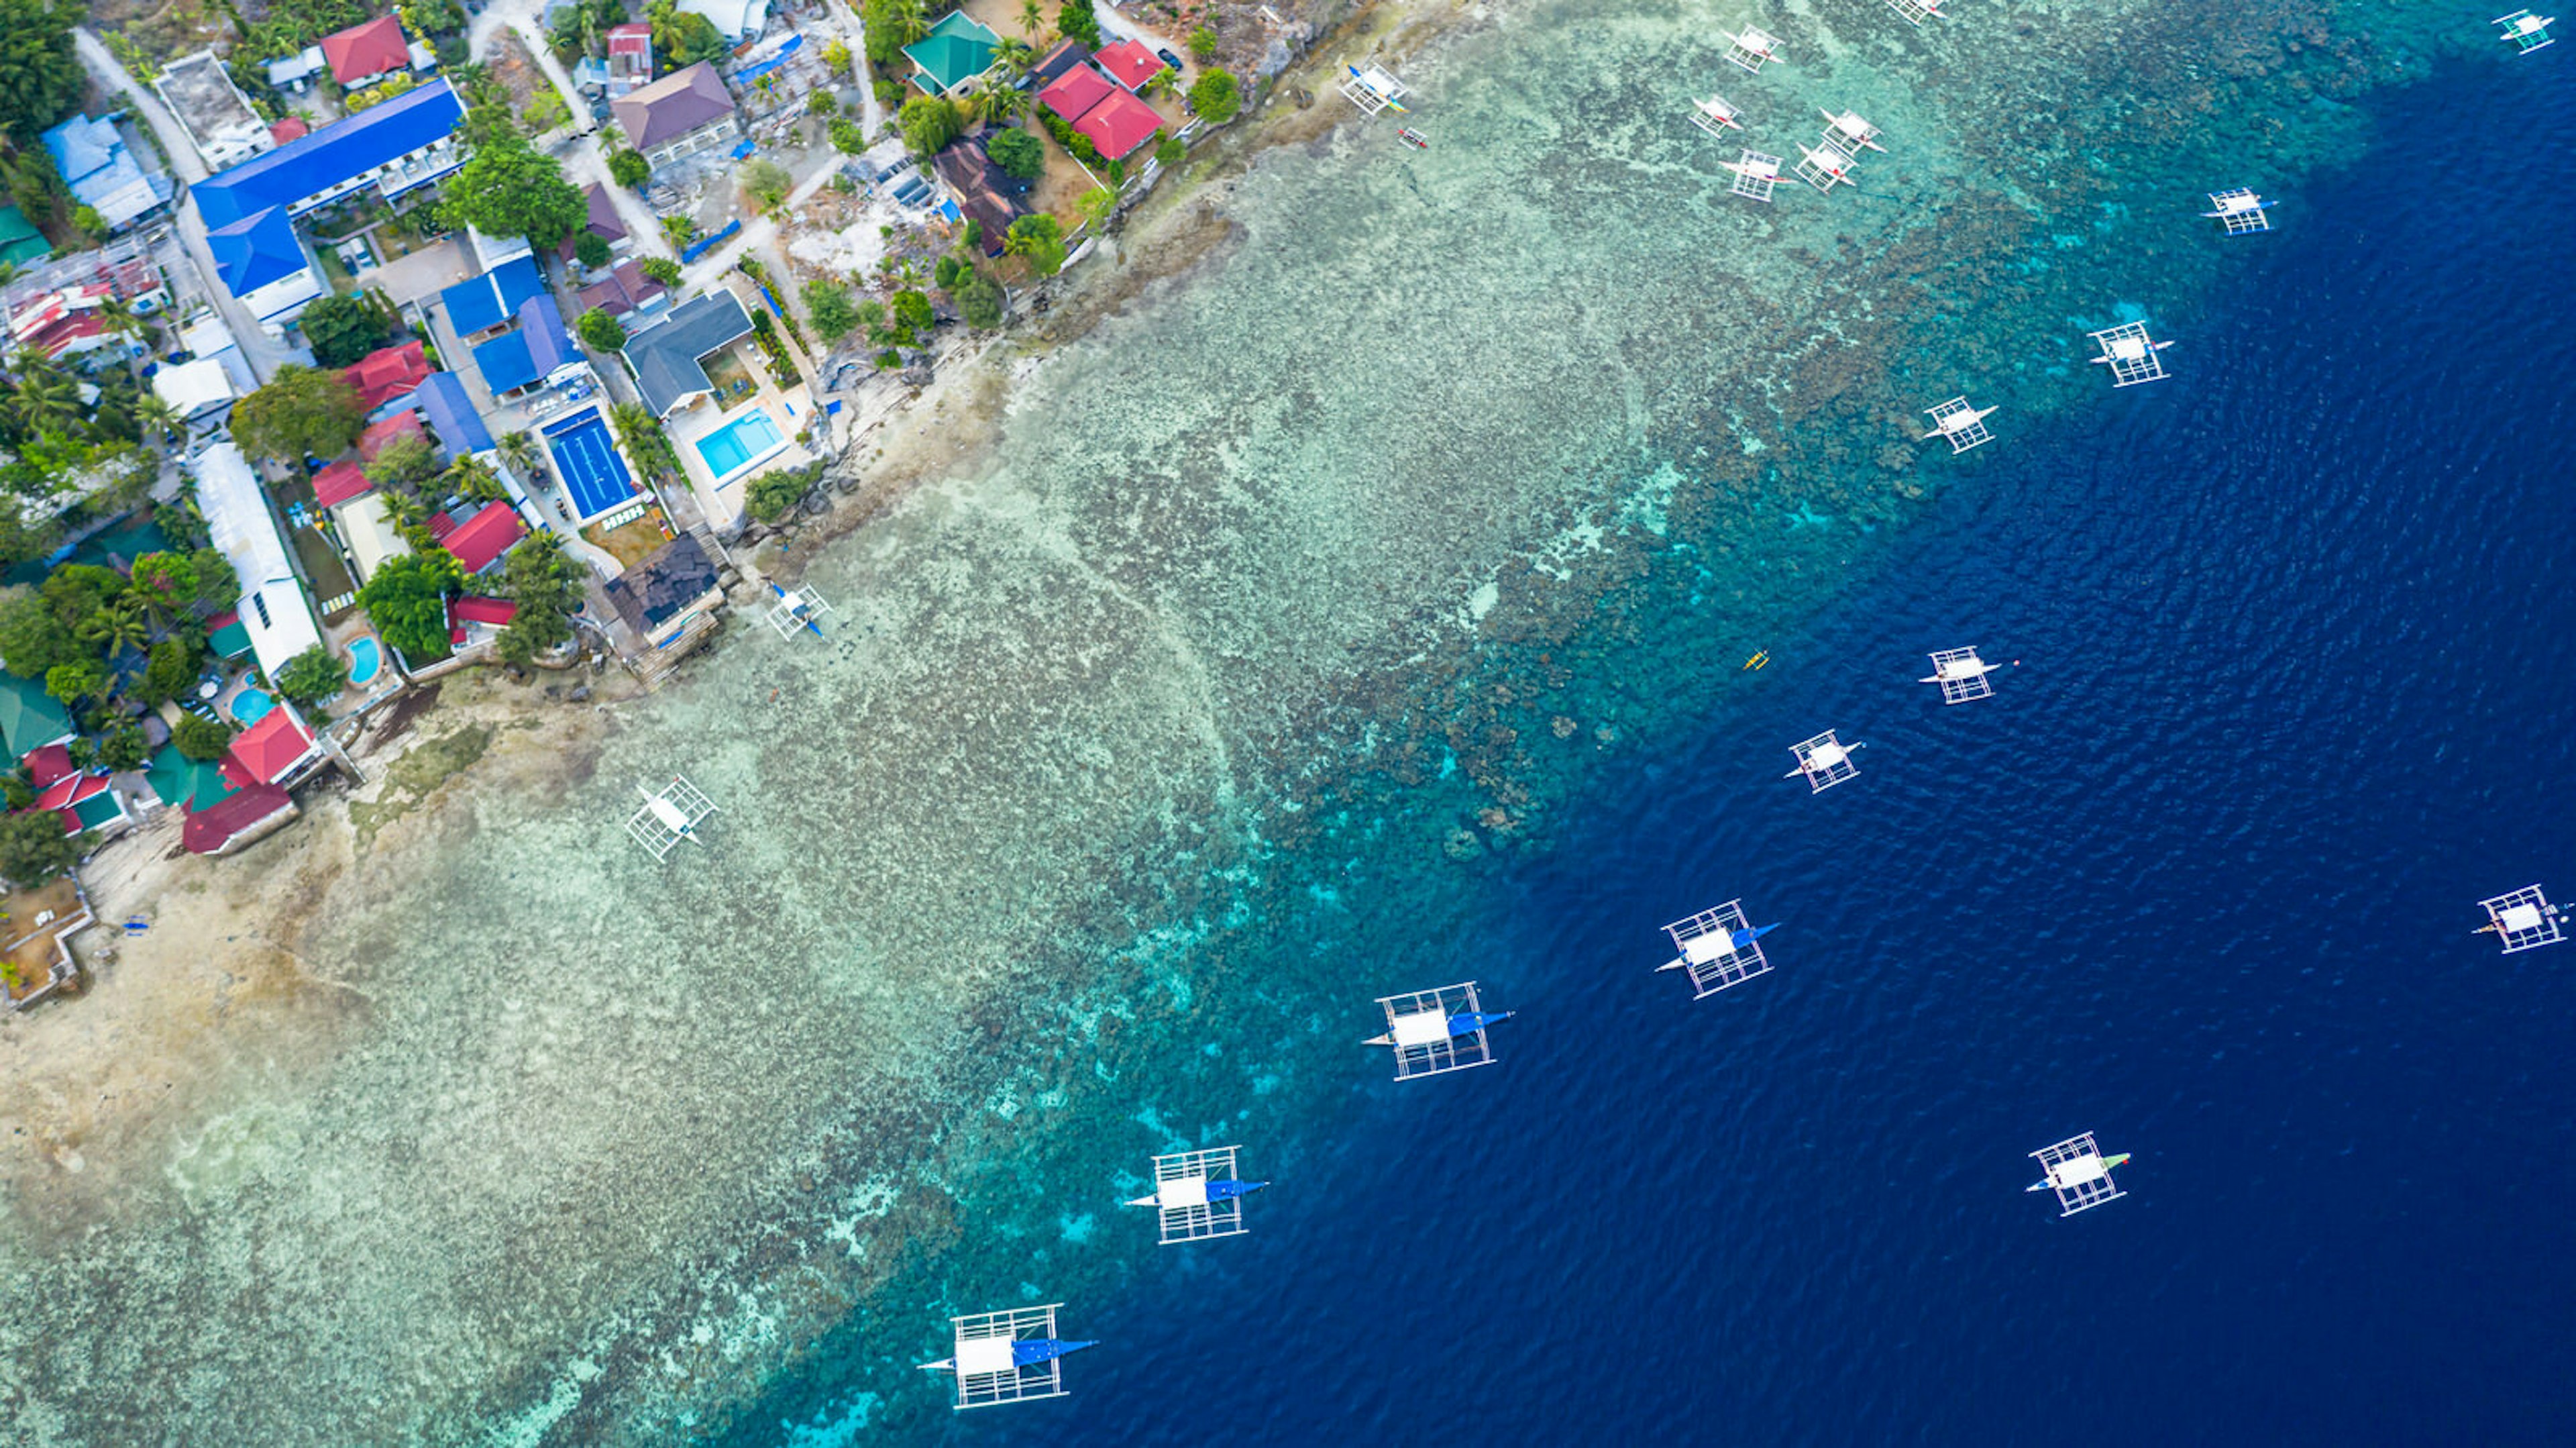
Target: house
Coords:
[(368, 530), (219, 119), (477, 541), (367, 52), (735, 20), (84, 801), (240, 818), (385, 433), (480, 306), (660, 597), (21, 244), (492, 251), (1131, 63), (478, 620), (539, 352), (274, 750), (1118, 125), (625, 289), (665, 357), (292, 71), (288, 128), (341, 482), (451, 415), (984, 191), (1068, 55), (387, 373), (602, 222), (678, 115), (104, 174), (249, 210), (60, 309), (30, 718), (194, 389), (273, 610), (957, 49), (630, 57)]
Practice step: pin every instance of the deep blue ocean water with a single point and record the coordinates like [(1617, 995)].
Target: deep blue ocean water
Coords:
[(2295, 631)]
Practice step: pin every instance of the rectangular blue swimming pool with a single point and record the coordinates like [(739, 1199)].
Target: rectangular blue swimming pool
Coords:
[(587, 461), (740, 443)]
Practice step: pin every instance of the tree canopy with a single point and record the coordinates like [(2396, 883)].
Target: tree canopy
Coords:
[(1215, 97), (312, 676), (1040, 238), (340, 330), (1018, 153), (201, 739), (764, 181), (545, 583), (405, 462), (40, 76), (590, 248), (510, 188), (773, 495), (407, 602), (628, 168), (1075, 20), (600, 331), (827, 306), (682, 38), (34, 847), (979, 301), (929, 123), (302, 412)]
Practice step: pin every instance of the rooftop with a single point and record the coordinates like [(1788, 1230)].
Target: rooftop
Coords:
[(369, 48), (198, 89), (478, 304), (268, 749), (665, 357), (1119, 124), (621, 291), (528, 354), (660, 588), (957, 49), (1075, 92), (273, 608), (485, 536), (1068, 55), (29, 717), (381, 435), (673, 106), (1130, 62), (387, 373), (442, 399), (213, 828), (340, 482), (102, 173), (381, 133)]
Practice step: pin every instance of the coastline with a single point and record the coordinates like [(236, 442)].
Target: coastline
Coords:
[(1535, 612)]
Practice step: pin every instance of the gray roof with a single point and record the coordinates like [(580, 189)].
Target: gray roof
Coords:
[(673, 106), (655, 591), (665, 357)]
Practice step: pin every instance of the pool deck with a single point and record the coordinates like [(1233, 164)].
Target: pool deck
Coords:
[(793, 409)]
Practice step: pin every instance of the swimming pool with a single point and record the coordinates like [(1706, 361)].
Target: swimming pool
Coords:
[(738, 444), (365, 659), (250, 706), (587, 460)]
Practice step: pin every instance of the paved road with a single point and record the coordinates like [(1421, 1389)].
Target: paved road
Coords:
[(264, 353)]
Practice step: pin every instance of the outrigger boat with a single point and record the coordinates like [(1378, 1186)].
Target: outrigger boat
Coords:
[(1390, 102), (1758, 660), (1414, 138), (2082, 1171), (1182, 1191), (1735, 940), (1465, 1023), (1025, 1352), (796, 608)]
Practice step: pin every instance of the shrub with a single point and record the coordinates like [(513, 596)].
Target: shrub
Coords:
[(979, 301), (1018, 153), (1040, 238), (765, 182), (773, 495), (929, 123), (200, 739), (600, 331), (590, 248), (827, 304), (1202, 42), (1171, 152), (848, 137), (628, 168), (1215, 97), (820, 103)]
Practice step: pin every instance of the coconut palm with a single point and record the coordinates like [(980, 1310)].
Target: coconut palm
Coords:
[(1012, 59), (124, 624), (156, 416), (402, 509), (475, 478), (1032, 17), (45, 399), (118, 316), (519, 451), (908, 21), (996, 101)]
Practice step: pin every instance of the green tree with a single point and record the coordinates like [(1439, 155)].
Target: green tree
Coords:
[(1075, 21), (170, 672), (546, 583), (1171, 152), (341, 330), (929, 123), (34, 847), (1018, 153), (40, 76), (76, 681), (33, 641), (123, 747), (510, 188), (407, 602), (1097, 205), (819, 102), (1214, 97), (1040, 239), (302, 412), (848, 137), (123, 624), (476, 479), (203, 740), (836, 59), (217, 585), (312, 676), (46, 398), (912, 310), (662, 269), (891, 25), (600, 331), (827, 306), (764, 181), (590, 248), (155, 418), (628, 168), (405, 462), (774, 495), (979, 301), (1202, 42), (680, 38), (945, 272)]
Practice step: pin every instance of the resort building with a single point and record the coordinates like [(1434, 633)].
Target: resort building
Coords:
[(666, 596), (535, 354), (667, 359), (291, 72), (1068, 55), (367, 52), (984, 192), (393, 148), (30, 718), (273, 609), (219, 119), (452, 418), (104, 174), (388, 374), (369, 533), (480, 307), (1114, 121), (957, 49), (1131, 63), (678, 116), (473, 621), (479, 541), (83, 801)]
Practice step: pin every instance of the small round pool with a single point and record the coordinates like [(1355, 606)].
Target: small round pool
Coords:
[(250, 706), (365, 659)]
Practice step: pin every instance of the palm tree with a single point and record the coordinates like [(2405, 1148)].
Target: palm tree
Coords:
[(44, 396), (519, 451), (126, 623), (908, 21), (155, 415), (402, 509), (996, 101), (118, 316), (1032, 17), (1012, 59), (474, 477)]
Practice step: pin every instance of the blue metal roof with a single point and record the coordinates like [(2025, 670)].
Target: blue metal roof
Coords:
[(548, 342), (537, 347), (331, 155), (441, 398), (252, 253), (481, 303)]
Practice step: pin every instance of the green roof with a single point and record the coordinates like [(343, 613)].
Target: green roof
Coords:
[(231, 641), (957, 49), (30, 719), (177, 779), (99, 809), (21, 243)]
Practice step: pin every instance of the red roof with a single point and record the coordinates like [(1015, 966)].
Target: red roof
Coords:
[(292, 128), (387, 373), (369, 48), (46, 765), (272, 746), (1131, 63), (440, 525), (339, 483), (485, 536), (401, 424), (70, 790), (633, 38), (1119, 124), (212, 828), (1076, 91), (483, 610)]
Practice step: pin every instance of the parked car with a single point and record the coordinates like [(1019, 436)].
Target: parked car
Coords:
[(1167, 58)]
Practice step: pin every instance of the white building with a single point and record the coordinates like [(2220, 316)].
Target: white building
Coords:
[(273, 604)]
